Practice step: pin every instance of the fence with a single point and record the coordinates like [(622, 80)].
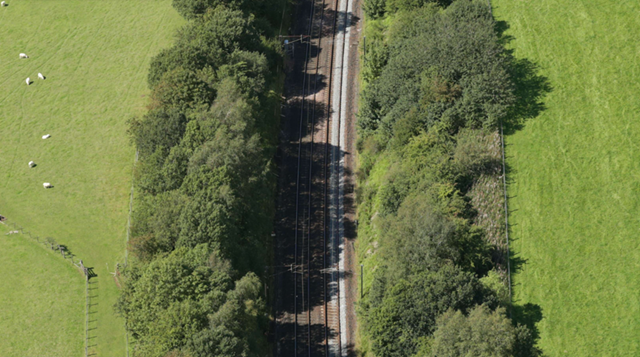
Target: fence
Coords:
[(506, 203), (50, 243)]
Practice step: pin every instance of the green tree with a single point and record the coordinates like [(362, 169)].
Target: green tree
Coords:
[(191, 9), (480, 333), (161, 127), (408, 310), (170, 299)]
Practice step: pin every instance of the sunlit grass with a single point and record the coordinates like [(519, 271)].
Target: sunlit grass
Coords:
[(576, 175), (95, 56)]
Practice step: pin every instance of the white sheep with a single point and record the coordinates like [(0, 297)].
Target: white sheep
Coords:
[(23, 55), (28, 81), (46, 185), (40, 76), (3, 4), (32, 164), (46, 136)]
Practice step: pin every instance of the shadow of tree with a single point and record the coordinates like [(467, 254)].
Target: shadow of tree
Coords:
[(530, 89), (529, 315), (530, 86)]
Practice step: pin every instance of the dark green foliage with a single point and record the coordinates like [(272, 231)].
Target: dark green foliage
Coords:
[(206, 44), (204, 208), (161, 127), (182, 90), (186, 299), (420, 238), (437, 84), (190, 9), (374, 8), (481, 333), (411, 5), (409, 308), (450, 67)]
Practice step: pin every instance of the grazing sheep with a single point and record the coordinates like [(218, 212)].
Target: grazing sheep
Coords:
[(46, 136), (23, 55), (46, 185), (32, 164), (40, 76), (3, 3), (28, 81)]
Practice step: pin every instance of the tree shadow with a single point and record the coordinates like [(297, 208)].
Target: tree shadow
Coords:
[(530, 90), (528, 315), (530, 87)]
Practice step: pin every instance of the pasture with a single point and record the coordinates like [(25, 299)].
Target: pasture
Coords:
[(42, 301), (95, 57), (575, 176)]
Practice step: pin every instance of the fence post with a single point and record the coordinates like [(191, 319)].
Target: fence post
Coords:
[(86, 312)]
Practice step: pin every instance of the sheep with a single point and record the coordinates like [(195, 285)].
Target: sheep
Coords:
[(40, 76), (46, 136), (47, 185), (23, 55), (32, 164), (3, 3), (28, 81)]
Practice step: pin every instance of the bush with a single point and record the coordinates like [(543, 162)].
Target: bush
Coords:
[(409, 308), (205, 204)]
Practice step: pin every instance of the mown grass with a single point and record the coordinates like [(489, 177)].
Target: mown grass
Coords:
[(42, 299), (95, 56), (575, 176)]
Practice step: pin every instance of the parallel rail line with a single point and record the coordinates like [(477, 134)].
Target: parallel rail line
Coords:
[(316, 232)]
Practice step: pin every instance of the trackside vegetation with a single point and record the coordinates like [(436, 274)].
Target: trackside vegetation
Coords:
[(203, 215), (437, 83)]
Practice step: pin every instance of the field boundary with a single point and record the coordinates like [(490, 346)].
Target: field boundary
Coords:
[(126, 246), (52, 244), (506, 203)]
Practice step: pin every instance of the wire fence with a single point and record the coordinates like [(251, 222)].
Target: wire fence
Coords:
[(50, 243), (506, 202)]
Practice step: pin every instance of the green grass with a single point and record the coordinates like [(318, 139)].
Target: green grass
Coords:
[(95, 55), (576, 175), (42, 301)]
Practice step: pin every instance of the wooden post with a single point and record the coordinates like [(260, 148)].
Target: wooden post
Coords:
[(361, 280), (364, 40)]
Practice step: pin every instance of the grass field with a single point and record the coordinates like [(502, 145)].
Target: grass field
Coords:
[(42, 301), (576, 175), (95, 57)]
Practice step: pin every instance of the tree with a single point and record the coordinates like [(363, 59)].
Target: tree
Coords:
[(451, 66), (374, 8), (161, 127), (235, 329), (171, 298), (408, 311), (191, 9), (182, 90), (481, 333)]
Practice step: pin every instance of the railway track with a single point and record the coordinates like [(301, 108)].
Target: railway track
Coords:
[(309, 227)]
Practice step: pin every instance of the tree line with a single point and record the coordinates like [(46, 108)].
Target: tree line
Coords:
[(200, 235), (437, 82)]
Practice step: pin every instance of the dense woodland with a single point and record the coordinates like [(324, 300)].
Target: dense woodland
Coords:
[(205, 183), (437, 82)]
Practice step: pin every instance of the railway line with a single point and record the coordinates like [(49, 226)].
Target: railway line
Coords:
[(309, 299)]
